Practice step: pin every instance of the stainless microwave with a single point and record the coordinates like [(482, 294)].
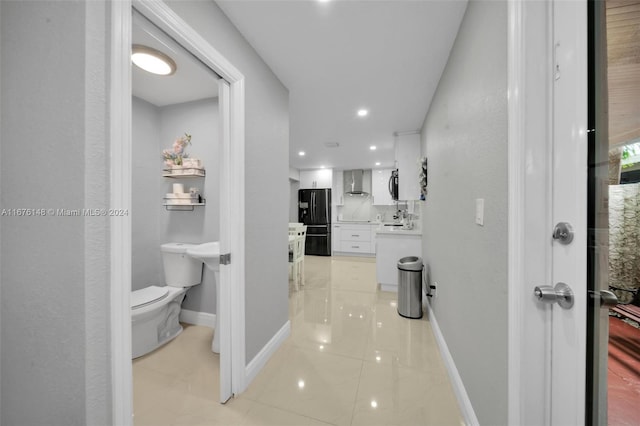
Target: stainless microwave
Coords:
[(393, 185)]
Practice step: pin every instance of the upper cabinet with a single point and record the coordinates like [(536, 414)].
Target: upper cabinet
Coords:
[(380, 187), (337, 195), (408, 163), (315, 179)]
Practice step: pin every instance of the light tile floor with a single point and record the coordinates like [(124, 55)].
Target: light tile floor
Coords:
[(350, 360)]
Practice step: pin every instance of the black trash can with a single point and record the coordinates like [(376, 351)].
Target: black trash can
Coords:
[(410, 287)]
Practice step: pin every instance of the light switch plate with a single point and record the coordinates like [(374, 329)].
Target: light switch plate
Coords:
[(480, 211)]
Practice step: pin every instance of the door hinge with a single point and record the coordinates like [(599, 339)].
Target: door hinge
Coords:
[(225, 259)]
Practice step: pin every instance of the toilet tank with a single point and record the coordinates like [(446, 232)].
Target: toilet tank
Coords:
[(180, 270)]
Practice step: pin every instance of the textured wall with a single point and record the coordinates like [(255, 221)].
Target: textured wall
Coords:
[(266, 173), (55, 367), (465, 139), (624, 239)]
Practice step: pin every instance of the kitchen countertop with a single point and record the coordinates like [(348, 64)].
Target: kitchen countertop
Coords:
[(397, 230), (381, 229)]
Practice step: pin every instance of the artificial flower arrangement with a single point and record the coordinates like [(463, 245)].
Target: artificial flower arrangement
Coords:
[(173, 157)]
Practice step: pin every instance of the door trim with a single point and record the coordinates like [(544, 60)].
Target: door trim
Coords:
[(529, 91), (516, 205), (531, 87), (120, 168), (120, 227)]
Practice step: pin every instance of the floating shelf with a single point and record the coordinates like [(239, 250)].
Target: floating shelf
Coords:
[(183, 207), (185, 172)]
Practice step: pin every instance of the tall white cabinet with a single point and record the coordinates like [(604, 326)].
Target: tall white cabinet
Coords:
[(337, 194), (380, 187), (315, 179), (407, 147)]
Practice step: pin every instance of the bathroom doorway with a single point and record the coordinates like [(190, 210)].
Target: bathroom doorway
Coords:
[(176, 153), (227, 84)]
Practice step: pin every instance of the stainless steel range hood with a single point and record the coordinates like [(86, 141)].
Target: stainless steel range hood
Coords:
[(353, 182)]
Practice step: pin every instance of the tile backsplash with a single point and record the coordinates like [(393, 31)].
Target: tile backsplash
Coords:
[(359, 208)]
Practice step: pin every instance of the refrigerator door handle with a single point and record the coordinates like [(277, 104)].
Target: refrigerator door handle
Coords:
[(390, 185), (313, 205), (327, 206)]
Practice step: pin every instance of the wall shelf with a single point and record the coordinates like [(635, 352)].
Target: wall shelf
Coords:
[(183, 207), (185, 172)]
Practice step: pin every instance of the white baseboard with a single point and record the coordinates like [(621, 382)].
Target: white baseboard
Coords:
[(260, 360), (389, 287), (198, 318), (456, 381)]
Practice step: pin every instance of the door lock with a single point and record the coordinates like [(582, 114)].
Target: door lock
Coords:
[(563, 233), (561, 293)]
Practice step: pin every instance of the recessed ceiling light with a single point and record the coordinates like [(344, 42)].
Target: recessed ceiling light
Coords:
[(322, 167), (362, 112), (372, 147), (378, 163), (152, 60), (301, 153)]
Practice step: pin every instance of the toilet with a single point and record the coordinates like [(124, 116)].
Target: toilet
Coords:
[(154, 309)]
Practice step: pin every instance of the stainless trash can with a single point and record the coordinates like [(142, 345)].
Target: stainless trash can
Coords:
[(410, 287)]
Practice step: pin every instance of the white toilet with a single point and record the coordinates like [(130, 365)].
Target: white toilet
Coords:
[(155, 310)]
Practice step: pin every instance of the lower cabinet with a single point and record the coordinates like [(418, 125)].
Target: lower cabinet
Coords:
[(391, 247), (356, 239)]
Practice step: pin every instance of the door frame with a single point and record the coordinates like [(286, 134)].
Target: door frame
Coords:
[(530, 134), (121, 192)]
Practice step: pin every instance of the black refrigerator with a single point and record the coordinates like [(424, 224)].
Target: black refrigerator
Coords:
[(314, 210)]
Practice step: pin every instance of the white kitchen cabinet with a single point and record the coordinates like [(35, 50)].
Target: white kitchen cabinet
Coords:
[(337, 194), (314, 179), (380, 187), (390, 247), (407, 149), (353, 239)]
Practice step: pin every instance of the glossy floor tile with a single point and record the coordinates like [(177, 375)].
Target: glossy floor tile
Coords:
[(350, 360)]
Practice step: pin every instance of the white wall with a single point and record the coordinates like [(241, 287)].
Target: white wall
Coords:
[(55, 270), (155, 129), (464, 137), (294, 186), (54, 276), (200, 120), (146, 201), (266, 174)]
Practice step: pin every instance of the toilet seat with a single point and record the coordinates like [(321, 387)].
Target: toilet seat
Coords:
[(148, 295)]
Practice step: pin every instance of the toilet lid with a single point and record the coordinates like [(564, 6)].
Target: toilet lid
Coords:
[(147, 295)]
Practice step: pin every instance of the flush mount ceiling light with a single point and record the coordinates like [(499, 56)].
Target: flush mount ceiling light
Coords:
[(363, 112), (152, 60)]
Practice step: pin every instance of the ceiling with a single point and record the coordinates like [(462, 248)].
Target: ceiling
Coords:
[(192, 80), (338, 56)]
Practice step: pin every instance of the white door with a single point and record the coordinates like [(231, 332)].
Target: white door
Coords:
[(224, 303), (548, 186)]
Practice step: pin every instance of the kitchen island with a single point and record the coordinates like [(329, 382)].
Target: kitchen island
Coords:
[(392, 244)]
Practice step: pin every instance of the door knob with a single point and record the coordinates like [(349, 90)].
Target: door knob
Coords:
[(561, 293), (607, 298)]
